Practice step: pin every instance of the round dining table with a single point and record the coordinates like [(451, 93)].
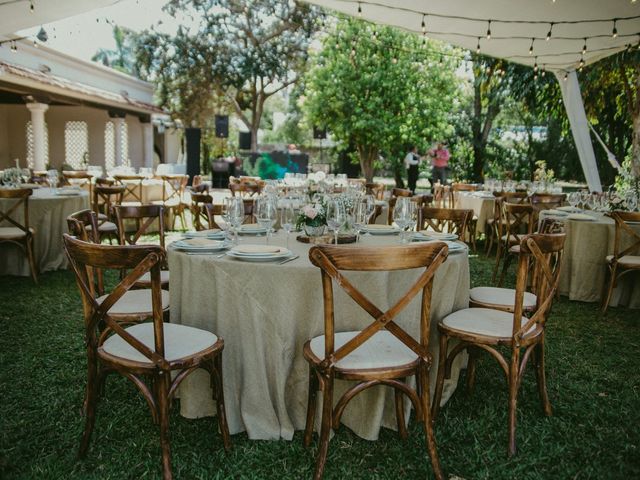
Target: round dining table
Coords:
[(482, 203), (584, 266), (48, 211), (266, 311)]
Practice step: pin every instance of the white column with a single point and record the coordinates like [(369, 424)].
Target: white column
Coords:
[(147, 143), (118, 124), (574, 106), (37, 124)]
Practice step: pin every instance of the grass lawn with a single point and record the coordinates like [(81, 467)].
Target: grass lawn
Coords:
[(593, 369)]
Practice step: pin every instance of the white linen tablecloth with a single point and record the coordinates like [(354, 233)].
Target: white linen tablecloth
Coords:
[(48, 217), (265, 313), (482, 207)]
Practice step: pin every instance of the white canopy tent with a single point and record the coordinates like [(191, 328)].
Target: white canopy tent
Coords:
[(517, 31)]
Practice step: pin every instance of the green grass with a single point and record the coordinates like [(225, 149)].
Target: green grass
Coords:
[(593, 370)]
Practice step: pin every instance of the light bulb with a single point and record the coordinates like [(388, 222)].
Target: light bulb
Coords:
[(549, 32), (478, 47), (489, 31), (614, 33), (584, 48)]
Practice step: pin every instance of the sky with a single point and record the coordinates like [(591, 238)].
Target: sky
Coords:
[(82, 35)]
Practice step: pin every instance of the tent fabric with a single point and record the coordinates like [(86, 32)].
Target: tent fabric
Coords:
[(448, 20), (16, 15), (572, 98)]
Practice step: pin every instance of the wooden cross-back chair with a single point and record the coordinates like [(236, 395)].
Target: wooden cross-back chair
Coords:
[(198, 210), (105, 197), (441, 196), (79, 178), (245, 190), (133, 188), (375, 189), (399, 354), (624, 260), (202, 188), (13, 230), (147, 353), (419, 200), (497, 221), (546, 201), (459, 187), (173, 187), (518, 221), (145, 217), (449, 220), (84, 226), (212, 210), (478, 329)]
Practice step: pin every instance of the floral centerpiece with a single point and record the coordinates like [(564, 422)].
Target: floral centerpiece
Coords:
[(544, 174), (12, 176), (312, 219), (626, 192)]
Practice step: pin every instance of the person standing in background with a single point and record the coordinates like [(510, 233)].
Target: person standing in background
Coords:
[(412, 163), (439, 161)]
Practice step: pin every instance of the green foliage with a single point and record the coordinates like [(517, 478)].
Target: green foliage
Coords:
[(123, 57), (374, 88)]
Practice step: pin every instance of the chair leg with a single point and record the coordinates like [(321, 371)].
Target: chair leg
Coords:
[(513, 397), (496, 266), (607, 297), (505, 268), (91, 402), (32, 260), (327, 421), (471, 369), (442, 362), (219, 397), (489, 240), (162, 398), (402, 426), (541, 378), (428, 425), (311, 406)]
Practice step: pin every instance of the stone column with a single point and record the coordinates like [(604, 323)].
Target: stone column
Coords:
[(37, 124), (147, 144), (118, 123)]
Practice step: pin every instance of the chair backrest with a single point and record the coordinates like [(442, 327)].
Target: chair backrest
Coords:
[(625, 234), (200, 187), (213, 209), (550, 225), (459, 187), (450, 220), (14, 199), (85, 258), (546, 201), (173, 187), (401, 192), (333, 259), (198, 212), (539, 265), (106, 182), (78, 178), (375, 189), (512, 197), (107, 197), (133, 186), (78, 222), (245, 189), (518, 220), (145, 216)]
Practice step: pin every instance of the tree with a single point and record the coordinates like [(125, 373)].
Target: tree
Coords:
[(123, 57), (243, 52), (373, 88)]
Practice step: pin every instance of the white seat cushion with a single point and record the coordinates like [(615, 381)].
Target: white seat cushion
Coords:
[(13, 232), (512, 238), (383, 349), (630, 260), (103, 227), (483, 321), (180, 341), (500, 296), (135, 301), (146, 278)]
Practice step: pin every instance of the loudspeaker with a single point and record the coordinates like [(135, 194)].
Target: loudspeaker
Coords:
[(319, 133), (222, 126), (192, 137), (245, 141)]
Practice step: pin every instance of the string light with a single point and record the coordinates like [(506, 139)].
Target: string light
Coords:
[(424, 25), (478, 47), (32, 7), (359, 10), (614, 33), (14, 47), (566, 77), (544, 70), (394, 60), (489, 30), (549, 32), (535, 66), (531, 47), (584, 48)]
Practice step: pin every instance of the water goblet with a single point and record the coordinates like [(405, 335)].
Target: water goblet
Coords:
[(336, 217), (266, 213), (287, 219)]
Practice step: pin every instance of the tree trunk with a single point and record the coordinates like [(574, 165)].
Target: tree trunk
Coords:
[(254, 138), (367, 158), (397, 175)]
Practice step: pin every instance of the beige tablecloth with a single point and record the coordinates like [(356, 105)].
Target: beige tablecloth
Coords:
[(48, 217), (481, 206), (584, 266), (265, 313)]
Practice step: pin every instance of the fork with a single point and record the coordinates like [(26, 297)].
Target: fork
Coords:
[(290, 259)]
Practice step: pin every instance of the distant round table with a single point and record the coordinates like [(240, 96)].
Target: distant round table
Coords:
[(482, 203), (48, 211), (265, 312)]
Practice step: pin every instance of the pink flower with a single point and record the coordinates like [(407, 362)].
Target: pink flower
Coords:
[(310, 212)]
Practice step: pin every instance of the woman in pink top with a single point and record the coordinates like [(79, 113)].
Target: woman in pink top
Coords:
[(440, 160)]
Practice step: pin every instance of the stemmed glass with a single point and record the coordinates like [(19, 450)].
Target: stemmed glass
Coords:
[(574, 199), (631, 200), (287, 219), (360, 218), (336, 217), (52, 178), (266, 210), (404, 215), (234, 207)]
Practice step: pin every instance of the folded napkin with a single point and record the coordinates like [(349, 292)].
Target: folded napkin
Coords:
[(251, 226), (374, 226), (201, 242), (554, 211), (568, 208), (257, 249), (580, 216)]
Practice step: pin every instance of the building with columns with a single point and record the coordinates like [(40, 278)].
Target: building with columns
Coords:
[(56, 109)]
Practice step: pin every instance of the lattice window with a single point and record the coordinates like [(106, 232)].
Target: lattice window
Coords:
[(76, 143), (29, 137), (109, 146), (124, 132)]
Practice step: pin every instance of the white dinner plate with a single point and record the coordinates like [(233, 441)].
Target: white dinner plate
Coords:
[(381, 229), (555, 212), (438, 235), (68, 192), (568, 208), (456, 247), (581, 217), (214, 233), (251, 229), (200, 244), (283, 253)]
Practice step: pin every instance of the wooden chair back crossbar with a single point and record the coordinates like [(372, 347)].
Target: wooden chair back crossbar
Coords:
[(518, 221), (145, 215), (78, 178), (132, 184), (213, 209), (331, 260), (20, 197), (105, 197), (623, 229), (448, 220), (77, 224), (173, 187), (245, 189), (198, 211)]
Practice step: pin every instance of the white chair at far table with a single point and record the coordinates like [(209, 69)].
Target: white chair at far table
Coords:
[(477, 329), (380, 354), (624, 260)]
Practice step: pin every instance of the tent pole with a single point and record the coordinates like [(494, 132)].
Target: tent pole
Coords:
[(574, 106)]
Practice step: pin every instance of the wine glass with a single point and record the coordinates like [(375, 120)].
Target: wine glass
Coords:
[(402, 215), (234, 207), (287, 219), (574, 199), (631, 201), (52, 178), (266, 212), (336, 217), (360, 218)]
